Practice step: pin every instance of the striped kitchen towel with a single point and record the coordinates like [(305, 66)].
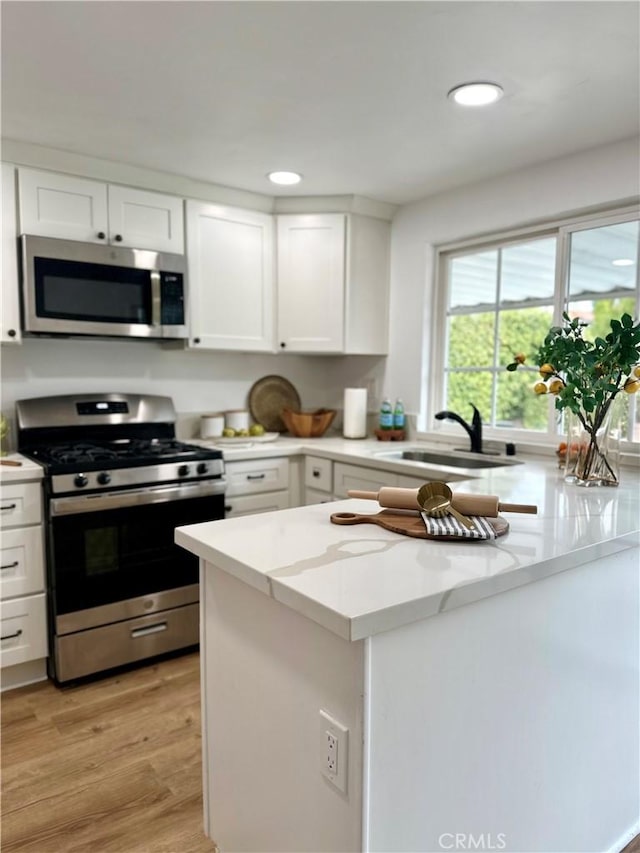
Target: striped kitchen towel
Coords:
[(450, 526)]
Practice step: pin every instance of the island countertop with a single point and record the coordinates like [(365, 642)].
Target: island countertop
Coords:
[(360, 580)]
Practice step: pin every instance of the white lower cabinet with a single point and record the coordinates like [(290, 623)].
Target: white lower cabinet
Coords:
[(346, 477), (23, 612), (260, 485), (24, 630), (318, 480)]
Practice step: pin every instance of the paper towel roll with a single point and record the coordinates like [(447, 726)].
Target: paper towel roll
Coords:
[(354, 422)]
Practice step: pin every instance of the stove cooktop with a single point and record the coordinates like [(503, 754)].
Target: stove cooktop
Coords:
[(70, 457)]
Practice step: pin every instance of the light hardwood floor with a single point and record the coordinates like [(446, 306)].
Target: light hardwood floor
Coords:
[(112, 765)]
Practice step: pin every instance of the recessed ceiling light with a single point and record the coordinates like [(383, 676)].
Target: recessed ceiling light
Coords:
[(284, 178), (623, 262), (476, 94)]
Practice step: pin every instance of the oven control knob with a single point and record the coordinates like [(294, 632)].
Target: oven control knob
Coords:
[(202, 468), (80, 480), (183, 471), (104, 478)]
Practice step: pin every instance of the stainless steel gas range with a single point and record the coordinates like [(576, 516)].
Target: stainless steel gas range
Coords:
[(117, 483)]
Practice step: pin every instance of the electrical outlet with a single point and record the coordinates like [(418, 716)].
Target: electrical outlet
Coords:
[(372, 396), (334, 751)]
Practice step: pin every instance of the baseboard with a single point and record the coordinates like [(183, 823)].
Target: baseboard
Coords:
[(22, 674), (625, 839)]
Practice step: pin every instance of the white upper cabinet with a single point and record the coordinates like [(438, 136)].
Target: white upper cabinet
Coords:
[(311, 279), (231, 278), (333, 283), (10, 322), (71, 208), (146, 220)]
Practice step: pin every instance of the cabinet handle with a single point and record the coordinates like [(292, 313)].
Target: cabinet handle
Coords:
[(118, 238), (10, 565), (12, 333), (8, 506), (101, 235), (228, 507), (282, 344), (11, 636), (316, 472), (196, 340), (256, 476), (151, 629)]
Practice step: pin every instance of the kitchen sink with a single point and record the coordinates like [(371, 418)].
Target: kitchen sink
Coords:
[(452, 460)]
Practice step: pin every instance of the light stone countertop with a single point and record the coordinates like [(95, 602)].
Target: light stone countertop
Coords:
[(28, 470), (361, 580)]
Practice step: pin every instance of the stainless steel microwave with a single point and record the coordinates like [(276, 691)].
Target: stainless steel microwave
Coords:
[(72, 288)]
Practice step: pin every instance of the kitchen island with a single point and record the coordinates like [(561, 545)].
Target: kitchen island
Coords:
[(481, 693)]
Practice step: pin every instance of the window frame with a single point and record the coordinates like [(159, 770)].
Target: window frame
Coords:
[(434, 362)]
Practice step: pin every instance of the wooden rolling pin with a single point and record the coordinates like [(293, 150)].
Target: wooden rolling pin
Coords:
[(487, 505)]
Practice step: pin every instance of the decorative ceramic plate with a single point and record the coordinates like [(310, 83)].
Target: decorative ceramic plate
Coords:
[(268, 397), (245, 439)]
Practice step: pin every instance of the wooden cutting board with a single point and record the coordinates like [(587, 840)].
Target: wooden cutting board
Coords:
[(411, 524)]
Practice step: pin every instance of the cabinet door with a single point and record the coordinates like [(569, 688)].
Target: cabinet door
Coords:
[(10, 325), (347, 477), (63, 206), (311, 282), (367, 289), (146, 220), (231, 278)]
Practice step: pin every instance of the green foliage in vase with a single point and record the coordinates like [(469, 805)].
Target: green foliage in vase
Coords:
[(586, 375)]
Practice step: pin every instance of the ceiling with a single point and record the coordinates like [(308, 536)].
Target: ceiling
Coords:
[(350, 94)]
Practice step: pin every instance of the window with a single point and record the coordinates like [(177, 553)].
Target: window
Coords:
[(501, 298)]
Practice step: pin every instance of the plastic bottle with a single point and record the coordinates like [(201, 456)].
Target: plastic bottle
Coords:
[(386, 414), (398, 414)]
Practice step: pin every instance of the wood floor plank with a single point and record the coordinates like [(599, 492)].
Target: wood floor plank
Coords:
[(79, 814), (89, 759), (109, 765)]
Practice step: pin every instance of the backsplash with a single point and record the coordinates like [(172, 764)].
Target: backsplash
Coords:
[(196, 381)]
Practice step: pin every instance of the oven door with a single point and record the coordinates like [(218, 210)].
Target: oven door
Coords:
[(110, 548)]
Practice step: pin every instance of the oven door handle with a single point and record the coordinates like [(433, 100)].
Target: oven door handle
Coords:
[(139, 497)]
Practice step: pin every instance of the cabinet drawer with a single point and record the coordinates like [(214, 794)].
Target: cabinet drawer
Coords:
[(23, 630), (254, 476), (251, 504), (318, 473), (347, 477), (21, 562), (20, 504)]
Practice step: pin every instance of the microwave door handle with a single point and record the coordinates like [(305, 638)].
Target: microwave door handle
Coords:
[(155, 298)]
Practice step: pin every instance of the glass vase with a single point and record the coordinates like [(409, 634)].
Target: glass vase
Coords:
[(593, 457)]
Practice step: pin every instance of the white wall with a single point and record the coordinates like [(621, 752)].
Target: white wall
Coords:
[(601, 177), (197, 381)]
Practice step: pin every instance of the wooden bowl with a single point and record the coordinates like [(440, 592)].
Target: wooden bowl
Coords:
[(308, 424)]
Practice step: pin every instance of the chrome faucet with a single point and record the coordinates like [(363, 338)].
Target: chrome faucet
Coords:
[(474, 431)]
